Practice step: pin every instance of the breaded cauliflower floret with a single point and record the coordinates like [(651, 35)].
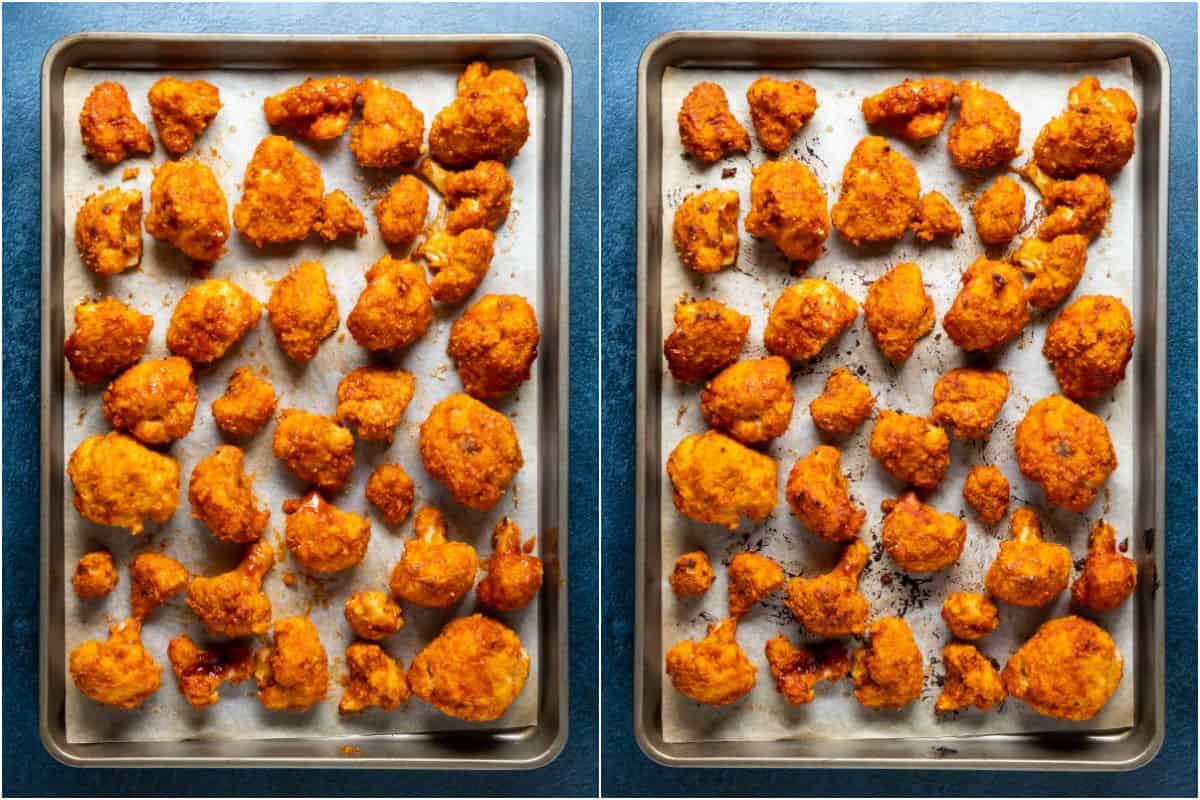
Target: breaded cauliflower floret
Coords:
[(990, 307), (339, 217), (282, 194), (401, 211), (808, 316), (293, 674), (1108, 577), (987, 132), (830, 604), (789, 208), (108, 231), (200, 673), (844, 405), (514, 573), (1027, 571), (314, 448), (392, 130), (154, 401), (121, 483), (912, 110), (209, 319), (779, 109), (750, 400), (999, 211), (111, 131), (708, 337), (879, 195), (1068, 670), (248, 404), (395, 307), (119, 672), (918, 537), (473, 670), (914, 449), (705, 230), (373, 616), (182, 110), (1066, 450), (391, 491), (478, 197), (319, 108), (707, 127), (493, 345), (713, 671), (899, 312), (109, 337), (323, 538), (472, 449), (233, 603), (1081, 205), (797, 670), (1089, 345), (303, 311), (935, 217), (487, 121), (888, 672), (987, 491), (222, 497), (967, 400), (970, 680), (693, 574), (153, 577), (1095, 134), (717, 480), (188, 209), (95, 575), (373, 400), (970, 615), (1054, 268), (458, 263), (752, 577), (819, 496), (376, 680)]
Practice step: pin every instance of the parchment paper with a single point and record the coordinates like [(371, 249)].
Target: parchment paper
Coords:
[(1038, 93), (154, 289)]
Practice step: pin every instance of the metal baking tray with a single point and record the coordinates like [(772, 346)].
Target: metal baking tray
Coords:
[(527, 748), (1124, 750)]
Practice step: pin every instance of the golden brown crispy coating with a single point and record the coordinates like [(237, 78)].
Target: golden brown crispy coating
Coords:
[(935, 217), (201, 672), (789, 207), (708, 337), (293, 675), (459, 263), (888, 672), (807, 316), (111, 131), (392, 130), (819, 496), (715, 479), (918, 537), (779, 109), (752, 577), (209, 319), (222, 497), (830, 604), (376, 680), (899, 311), (153, 577), (373, 399), (514, 574), (493, 345), (282, 194), (401, 211), (1027, 571), (395, 308), (472, 449), (990, 307), (912, 110), (120, 482), (968, 400), (750, 400), (433, 571), (1089, 345), (987, 132), (713, 671), (879, 195), (303, 311), (119, 672), (109, 336), (322, 537), (987, 490), (373, 615), (154, 401), (1108, 577), (1054, 268), (970, 615), (108, 231), (1066, 450), (233, 603), (182, 110), (970, 680), (248, 403), (314, 448), (692, 575), (319, 108), (914, 449), (1068, 669), (95, 575), (999, 211), (339, 217), (843, 405), (1095, 133), (1081, 205), (707, 128), (390, 490), (188, 209), (797, 670), (705, 230), (478, 197), (486, 122), (473, 670)]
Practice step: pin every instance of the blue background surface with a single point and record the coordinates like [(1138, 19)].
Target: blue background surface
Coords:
[(626, 30), (28, 31)]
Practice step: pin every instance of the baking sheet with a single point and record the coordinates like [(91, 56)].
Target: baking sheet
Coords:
[(1038, 93), (155, 287)]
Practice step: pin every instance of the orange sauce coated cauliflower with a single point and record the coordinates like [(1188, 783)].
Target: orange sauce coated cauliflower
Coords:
[(705, 230), (707, 337), (472, 449), (121, 483), (918, 537), (912, 110), (789, 207), (899, 312), (314, 448), (990, 308), (717, 480), (707, 127), (713, 671), (819, 496), (889, 671), (154, 401), (879, 195), (808, 316), (209, 319), (1089, 345), (750, 400), (914, 449), (779, 109), (1027, 571), (188, 209), (111, 131), (1066, 450), (109, 336), (108, 231), (830, 604), (182, 110)]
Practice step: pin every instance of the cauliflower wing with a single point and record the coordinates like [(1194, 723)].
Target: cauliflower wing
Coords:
[(182, 110), (716, 479), (914, 449), (888, 672), (707, 127), (395, 308), (373, 399), (339, 217), (797, 670), (293, 674), (248, 403), (970, 680), (209, 319), (95, 575), (401, 211), (322, 537), (233, 603), (119, 482), (1095, 134), (750, 400), (788, 207), (222, 497), (109, 337), (918, 537), (478, 197), (154, 401), (1068, 669), (303, 311), (1054, 268), (819, 496), (705, 230), (1080, 205), (282, 194), (808, 316), (188, 209), (912, 110), (779, 109), (990, 308), (1108, 577), (999, 211), (200, 672), (373, 616), (1089, 345), (514, 574), (119, 672), (879, 194), (111, 131), (844, 405), (487, 121), (707, 337), (470, 448), (376, 680), (108, 231), (319, 108), (1028, 571), (433, 572), (493, 345), (713, 671), (153, 577), (899, 311), (968, 401), (459, 263), (935, 217), (392, 130), (987, 132), (987, 491), (1066, 450), (390, 490), (693, 574), (830, 604), (752, 577), (970, 615)]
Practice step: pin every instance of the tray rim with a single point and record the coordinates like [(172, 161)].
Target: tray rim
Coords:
[(660, 752), (550, 55)]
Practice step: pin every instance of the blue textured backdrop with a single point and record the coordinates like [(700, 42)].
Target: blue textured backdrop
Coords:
[(28, 31), (626, 30)]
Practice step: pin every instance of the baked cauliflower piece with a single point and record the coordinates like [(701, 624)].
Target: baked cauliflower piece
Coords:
[(779, 109), (487, 121), (494, 344), (154, 401), (182, 110), (319, 108), (433, 571), (458, 263), (830, 604), (717, 480), (912, 110), (514, 573), (153, 577), (935, 218), (967, 400), (752, 578), (395, 308), (339, 217), (705, 230), (478, 197), (844, 404), (693, 574), (108, 338), (1066, 450), (990, 308), (987, 491), (282, 194), (391, 132), (1089, 346), (233, 603), (248, 404), (970, 615), (401, 211), (1079, 205), (970, 680), (999, 211), (707, 127), (472, 449), (373, 616), (1094, 135), (914, 449), (713, 671), (819, 496), (108, 231), (314, 448), (889, 671), (918, 537), (119, 672), (303, 311), (788, 207), (391, 491), (200, 672), (899, 312), (1108, 577), (987, 132), (879, 194), (808, 316), (121, 483), (323, 538), (222, 497), (373, 400), (797, 670), (1054, 268), (188, 209), (111, 131), (376, 680), (293, 673), (95, 575), (708, 336), (750, 400), (1028, 571), (209, 319), (1067, 670)]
